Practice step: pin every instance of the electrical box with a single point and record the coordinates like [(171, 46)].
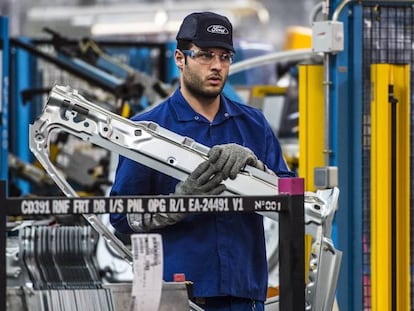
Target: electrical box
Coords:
[(326, 177), (327, 37)]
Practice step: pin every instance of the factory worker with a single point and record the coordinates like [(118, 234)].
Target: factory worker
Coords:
[(223, 254)]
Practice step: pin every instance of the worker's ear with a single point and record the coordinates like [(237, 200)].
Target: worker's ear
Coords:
[(179, 59)]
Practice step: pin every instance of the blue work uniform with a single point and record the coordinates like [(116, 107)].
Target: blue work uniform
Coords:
[(222, 254)]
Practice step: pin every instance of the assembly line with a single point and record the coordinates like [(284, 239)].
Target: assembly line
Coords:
[(185, 167)]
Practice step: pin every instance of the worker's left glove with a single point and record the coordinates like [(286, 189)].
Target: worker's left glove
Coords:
[(146, 222), (230, 159), (204, 180)]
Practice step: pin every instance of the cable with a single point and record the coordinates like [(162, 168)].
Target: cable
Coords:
[(293, 55)]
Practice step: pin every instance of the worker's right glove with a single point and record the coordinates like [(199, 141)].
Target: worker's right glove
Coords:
[(204, 180)]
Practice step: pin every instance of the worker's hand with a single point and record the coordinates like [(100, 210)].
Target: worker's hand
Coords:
[(146, 222), (204, 180), (230, 159)]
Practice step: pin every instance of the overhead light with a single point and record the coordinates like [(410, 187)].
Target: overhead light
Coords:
[(263, 15), (160, 18)]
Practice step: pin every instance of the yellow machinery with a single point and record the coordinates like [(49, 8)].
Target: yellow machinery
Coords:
[(390, 187)]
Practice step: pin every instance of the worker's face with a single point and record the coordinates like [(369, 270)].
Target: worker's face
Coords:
[(204, 71)]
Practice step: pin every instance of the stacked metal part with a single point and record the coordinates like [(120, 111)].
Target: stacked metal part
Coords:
[(61, 266)]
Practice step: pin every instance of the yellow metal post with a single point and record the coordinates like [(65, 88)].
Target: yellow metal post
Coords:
[(383, 76), (311, 119), (380, 190), (401, 78)]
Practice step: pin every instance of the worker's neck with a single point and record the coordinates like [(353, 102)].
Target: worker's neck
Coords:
[(206, 107)]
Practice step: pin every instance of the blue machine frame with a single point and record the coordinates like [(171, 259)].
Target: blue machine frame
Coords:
[(4, 93), (346, 100), (22, 76)]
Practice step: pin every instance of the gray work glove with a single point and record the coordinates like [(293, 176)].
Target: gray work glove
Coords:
[(204, 180), (230, 159)]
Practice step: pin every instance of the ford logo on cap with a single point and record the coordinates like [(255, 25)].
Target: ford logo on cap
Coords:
[(218, 29)]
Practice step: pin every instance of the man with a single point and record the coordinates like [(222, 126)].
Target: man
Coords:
[(222, 254)]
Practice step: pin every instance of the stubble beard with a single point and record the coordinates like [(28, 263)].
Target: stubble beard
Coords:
[(195, 85)]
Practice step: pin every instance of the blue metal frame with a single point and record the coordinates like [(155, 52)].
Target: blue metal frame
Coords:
[(4, 93), (172, 72), (346, 126), (23, 76)]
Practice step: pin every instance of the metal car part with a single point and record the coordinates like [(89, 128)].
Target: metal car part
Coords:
[(145, 142), (324, 258)]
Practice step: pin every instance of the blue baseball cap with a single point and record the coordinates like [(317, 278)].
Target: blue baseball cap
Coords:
[(206, 30)]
